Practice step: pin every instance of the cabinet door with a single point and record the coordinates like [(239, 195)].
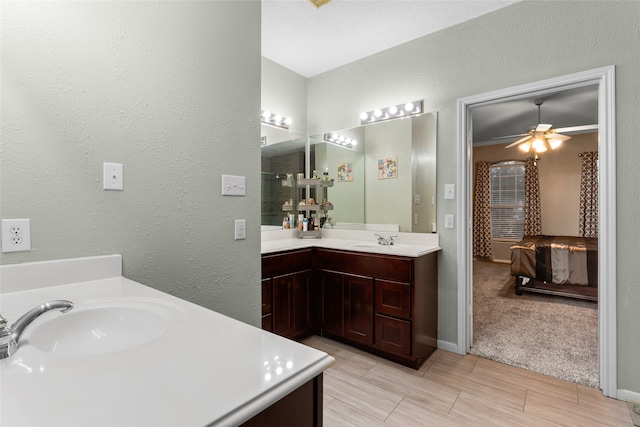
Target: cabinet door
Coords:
[(283, 289), (358, 309), (393, 335), (302, 312), (332, 299)]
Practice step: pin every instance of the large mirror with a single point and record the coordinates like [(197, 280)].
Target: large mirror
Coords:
[(282, 152), (386, 182)]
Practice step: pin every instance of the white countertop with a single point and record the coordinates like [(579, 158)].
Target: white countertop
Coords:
[(206, 369), (406, 244)]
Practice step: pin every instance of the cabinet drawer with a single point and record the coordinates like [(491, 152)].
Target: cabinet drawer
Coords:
[(393, 299), (371, 265), (285, 263), (393, 335)]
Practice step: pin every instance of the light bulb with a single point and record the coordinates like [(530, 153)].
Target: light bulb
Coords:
[(354, 142), (377, 113), (524, 147), (277, 118), (538, 145), (288, 121), (408, 107), (364, 116), (266, 114), (341, 138), (555, 143), (393, 109)]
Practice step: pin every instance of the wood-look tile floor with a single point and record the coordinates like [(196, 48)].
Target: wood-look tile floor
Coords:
[(452, 390)]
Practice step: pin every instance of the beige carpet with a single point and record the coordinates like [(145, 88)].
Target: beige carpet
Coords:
[(552, 335)]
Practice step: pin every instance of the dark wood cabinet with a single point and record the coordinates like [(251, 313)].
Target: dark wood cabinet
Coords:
[(358, 309), (332, 302), (267, 299), (347, 306), (384, 304), (289, 275)]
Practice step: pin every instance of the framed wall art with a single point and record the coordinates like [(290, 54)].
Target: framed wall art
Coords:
[(345, 171), (388, 167)]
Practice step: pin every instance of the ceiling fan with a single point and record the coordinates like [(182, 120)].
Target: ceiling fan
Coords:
[(543, 136)]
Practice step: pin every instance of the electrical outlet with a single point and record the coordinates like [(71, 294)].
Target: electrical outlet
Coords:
[(16, 235), (448, 220)]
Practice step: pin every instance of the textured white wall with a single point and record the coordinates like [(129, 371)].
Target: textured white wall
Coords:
[(498, 50), (169, 89)]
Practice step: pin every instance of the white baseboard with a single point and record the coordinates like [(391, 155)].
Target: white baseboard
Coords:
[(448, 346), (628, 395)]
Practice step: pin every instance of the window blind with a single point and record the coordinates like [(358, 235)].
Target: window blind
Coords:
[(507, 200)]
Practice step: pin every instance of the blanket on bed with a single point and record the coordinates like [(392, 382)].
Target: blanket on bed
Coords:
[(557, 259)]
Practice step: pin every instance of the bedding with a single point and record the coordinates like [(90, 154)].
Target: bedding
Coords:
[(558, 260)]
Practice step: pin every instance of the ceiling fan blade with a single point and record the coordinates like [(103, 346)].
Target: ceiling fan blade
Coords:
[(558, 136), (509, 136), (520, 141), (577, 128), (543, 127)]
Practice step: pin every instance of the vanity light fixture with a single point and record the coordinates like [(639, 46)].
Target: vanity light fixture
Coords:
[(277, 120), (392, 112), (341, 140)]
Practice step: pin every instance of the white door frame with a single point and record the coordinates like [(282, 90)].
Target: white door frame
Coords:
[(607, 327)]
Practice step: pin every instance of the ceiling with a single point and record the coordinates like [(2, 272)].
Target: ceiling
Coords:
[(567, 108), (310, 41)]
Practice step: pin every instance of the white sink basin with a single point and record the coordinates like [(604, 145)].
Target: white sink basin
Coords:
[(102, 326)]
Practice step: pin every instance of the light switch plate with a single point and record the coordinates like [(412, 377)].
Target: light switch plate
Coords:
[(233, 185), (240, 232), (450, 191), (113, 178)]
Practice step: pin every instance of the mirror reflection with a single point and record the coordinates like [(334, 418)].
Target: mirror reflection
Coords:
[(386, 182), (282, 152)]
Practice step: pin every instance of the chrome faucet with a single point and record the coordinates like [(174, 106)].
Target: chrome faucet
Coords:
[(10, 336), (386, 241)]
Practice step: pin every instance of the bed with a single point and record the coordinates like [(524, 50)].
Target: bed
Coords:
[(557, 265)]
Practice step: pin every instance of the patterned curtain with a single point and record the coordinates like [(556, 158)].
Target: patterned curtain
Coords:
[(482, 212), (589, 195), (532, 216)]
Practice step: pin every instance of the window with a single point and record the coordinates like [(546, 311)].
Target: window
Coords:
[(507, 200)]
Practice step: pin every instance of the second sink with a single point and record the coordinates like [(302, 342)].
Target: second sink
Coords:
[(103, 326)]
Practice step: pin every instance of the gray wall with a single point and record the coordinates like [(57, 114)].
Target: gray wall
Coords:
[(498, 50), (169, 89)]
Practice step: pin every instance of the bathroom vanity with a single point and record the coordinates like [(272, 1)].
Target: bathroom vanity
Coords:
[(127, 354), (382, 299)]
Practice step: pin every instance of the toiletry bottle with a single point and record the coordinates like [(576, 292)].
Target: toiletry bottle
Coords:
[(284, 223), (300, 220), (305, 224)]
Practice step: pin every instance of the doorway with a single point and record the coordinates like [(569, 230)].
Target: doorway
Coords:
[(604, 79)]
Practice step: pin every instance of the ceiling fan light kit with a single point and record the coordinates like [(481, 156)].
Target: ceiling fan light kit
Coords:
[(544, 137)]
